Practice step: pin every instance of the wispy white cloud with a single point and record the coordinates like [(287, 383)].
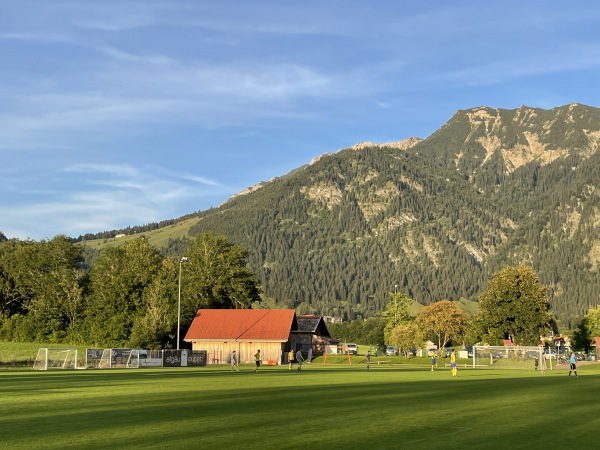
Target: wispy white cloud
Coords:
[(123, 170), (117, 22), (126, 175), (105, 197), (103, 103), (190, 177), (73, 215), (126, 87), (123, 56), (207, 95), (43, 37)]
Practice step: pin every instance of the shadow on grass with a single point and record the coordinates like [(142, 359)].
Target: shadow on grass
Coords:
[(322, 407)]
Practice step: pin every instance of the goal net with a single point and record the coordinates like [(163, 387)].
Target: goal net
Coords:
[(509, 357), (55, 358), (113, 358)]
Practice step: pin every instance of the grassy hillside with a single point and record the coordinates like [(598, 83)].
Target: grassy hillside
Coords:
[(158, 238), (468, 306)]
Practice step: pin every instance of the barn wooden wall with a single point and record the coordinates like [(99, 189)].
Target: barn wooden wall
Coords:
[(220, 352)]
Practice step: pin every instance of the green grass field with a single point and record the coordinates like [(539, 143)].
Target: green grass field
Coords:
[(334, 406)]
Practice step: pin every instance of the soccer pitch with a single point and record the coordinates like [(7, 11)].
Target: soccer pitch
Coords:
[(324, 407)]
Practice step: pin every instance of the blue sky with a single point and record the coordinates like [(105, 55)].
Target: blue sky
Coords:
[(118, 113)]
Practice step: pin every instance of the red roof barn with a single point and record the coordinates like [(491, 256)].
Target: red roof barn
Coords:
[(221, 331)]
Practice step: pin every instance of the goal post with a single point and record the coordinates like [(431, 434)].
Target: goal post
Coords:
[(119, 358), (133, 360), (55, 358), (336, 352), (509, 357)]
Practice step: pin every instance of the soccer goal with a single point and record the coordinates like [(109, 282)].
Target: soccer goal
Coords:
[(509, 357), (55, 358), (113, 358)]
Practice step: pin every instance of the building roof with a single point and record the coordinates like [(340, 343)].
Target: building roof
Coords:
[(242, 325), (312, 324)]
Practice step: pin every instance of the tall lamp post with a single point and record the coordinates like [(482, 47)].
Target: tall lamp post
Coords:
[(395, 305), (181, 261)]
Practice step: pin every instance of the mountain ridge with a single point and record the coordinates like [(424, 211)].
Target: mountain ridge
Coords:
[(490, 187)]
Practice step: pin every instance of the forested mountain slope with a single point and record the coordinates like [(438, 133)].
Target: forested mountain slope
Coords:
[(436, 217)]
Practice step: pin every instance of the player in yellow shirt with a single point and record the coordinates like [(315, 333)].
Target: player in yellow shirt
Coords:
[(453, 362), (257, 360), (290, 358)]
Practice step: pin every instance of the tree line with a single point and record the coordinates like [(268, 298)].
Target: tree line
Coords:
[(128, 297), (514, 308)]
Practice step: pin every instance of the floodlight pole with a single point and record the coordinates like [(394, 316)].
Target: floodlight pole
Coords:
[(182, 260), (395, 305)]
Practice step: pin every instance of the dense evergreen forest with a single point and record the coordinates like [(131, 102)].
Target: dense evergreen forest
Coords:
[(490, 188)]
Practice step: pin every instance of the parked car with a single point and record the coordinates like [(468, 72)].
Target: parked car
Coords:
[(391, 351), (352, 348)]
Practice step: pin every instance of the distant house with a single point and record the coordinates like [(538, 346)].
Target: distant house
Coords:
[(561, 343), (331, 319), (596, 345), (311, 332), (430, 347), (221, 331)]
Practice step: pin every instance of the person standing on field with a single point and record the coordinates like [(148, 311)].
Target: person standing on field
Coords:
[(573, 365), (368, 359), (290, 358), (299, 360), (453, 363), (234, 362), (433, 361), (257, 360)]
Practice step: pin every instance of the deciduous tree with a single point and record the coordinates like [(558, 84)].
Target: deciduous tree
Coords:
[(40, 283), (118, 279), (443, 319), (406, 336), (395, 313), (515, 305), (588, 329), (156, 321), (217, 276)]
